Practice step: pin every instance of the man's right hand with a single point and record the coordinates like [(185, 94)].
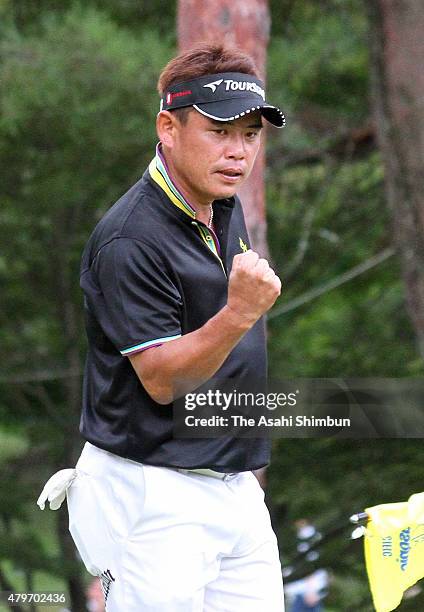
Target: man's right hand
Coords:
[(253, 286)]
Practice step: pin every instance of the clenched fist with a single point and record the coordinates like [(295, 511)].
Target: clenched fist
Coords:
[(253, 286)]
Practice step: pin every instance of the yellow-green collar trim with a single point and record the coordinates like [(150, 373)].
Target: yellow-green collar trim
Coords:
[(159, 174)]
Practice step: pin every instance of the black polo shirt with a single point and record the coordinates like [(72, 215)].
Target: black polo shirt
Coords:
[(151, 273)]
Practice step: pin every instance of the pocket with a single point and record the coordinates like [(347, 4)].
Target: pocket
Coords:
[(255, 484), (87, 525), (124, 487)]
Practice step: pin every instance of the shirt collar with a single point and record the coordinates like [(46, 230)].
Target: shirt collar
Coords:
[(159, 172)]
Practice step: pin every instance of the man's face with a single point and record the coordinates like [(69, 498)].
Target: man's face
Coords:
[(211, 159)]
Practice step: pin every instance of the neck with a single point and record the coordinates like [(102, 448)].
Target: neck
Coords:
[(203, 209)]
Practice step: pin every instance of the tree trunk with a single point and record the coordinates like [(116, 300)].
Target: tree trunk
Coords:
[(245, 24), (397, 52)]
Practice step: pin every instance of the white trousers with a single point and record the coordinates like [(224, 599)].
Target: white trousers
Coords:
[(165, 541)]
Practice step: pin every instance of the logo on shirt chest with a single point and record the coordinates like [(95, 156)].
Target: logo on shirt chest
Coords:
[(243, 245)]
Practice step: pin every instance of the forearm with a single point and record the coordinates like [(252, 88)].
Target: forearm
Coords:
[(178, 367)]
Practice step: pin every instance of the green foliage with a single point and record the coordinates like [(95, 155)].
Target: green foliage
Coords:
[(136, 15), (326, 215), (77, 127), (321, 61), (360, 328), (77, 111), (76, 102)]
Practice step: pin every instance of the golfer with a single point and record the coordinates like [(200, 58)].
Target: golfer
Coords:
[(174, 296)]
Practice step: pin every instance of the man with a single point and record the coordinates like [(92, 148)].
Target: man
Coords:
[(174, 297)]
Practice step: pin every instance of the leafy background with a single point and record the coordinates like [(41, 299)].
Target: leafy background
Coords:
[(77, 109)]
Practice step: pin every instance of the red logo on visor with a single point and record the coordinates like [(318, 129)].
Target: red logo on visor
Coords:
[(179, 94)]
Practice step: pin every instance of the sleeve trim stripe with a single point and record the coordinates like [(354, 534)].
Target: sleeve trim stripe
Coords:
[(144, 345)]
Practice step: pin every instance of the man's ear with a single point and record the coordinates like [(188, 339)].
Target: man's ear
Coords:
[(166, 125)]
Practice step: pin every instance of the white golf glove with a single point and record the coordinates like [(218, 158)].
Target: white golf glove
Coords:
[(55, 489)]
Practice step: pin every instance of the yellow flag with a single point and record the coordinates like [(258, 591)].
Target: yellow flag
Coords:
[(394, 550)]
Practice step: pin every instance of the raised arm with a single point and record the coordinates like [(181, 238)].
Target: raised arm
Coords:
[(178, 367)]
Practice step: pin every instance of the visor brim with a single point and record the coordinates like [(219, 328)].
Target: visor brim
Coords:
[(230, 110)]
